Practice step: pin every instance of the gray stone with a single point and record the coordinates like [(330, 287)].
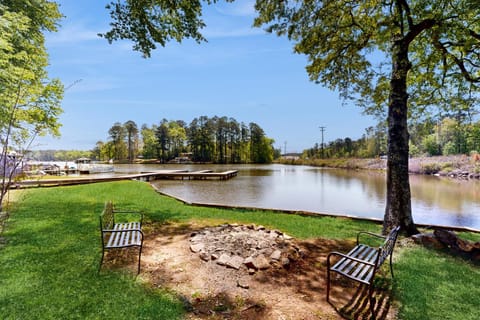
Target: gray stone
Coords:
[(260, 262), (204, 256), (248, 262), (223, 260), (242, 284), (235, 262), (197, 247), (285, 262), (428, 240), (276, 255)]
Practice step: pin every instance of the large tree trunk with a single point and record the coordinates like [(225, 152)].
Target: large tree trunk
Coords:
[(398, 211)]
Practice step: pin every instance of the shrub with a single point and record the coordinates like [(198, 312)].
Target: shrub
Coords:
[(430, 168)]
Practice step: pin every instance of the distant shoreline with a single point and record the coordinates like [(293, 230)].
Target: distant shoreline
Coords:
[(458, 166)]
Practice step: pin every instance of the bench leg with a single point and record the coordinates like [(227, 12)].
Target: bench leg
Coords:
[(328, 286), (328, 280), (101, 261), (391, 265), (139, 257)]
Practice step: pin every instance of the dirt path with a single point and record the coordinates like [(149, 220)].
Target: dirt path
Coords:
[(211, 291)]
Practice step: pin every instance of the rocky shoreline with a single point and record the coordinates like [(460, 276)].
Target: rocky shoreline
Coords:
[(458, 166)]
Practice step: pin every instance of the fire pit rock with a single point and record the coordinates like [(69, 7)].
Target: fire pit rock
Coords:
[(244, 247)]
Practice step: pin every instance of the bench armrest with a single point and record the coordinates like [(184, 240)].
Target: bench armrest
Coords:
[(369, 234), (122, 230), (345, 256)]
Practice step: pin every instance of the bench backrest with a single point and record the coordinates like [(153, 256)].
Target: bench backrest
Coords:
[(387, 247), (107, 219)]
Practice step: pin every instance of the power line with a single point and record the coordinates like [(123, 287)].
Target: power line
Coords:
[(322, 129)]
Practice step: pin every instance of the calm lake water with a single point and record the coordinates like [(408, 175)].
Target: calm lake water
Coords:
[(435, 200)]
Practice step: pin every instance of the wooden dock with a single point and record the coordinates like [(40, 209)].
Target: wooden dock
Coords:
[(145, 176), (189, 175)]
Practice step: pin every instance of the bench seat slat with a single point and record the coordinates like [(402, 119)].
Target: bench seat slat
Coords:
[(369, 256), (124, 235), (362, 272), (121, 238), (367, 272), (112, 239), (344, 262), (124, 239), (355, 269)]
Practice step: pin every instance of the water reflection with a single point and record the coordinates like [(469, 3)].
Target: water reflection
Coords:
[(440, 199), (361, 193)]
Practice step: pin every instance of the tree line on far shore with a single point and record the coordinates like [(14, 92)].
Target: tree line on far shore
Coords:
[(217, 140), (224, 140), (450, 135)]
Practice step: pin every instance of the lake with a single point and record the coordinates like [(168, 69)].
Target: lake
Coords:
[(435, 200)]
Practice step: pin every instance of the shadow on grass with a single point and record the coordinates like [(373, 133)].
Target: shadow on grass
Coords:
[(358, 307)]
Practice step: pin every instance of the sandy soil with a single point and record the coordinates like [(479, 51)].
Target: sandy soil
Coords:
[(211, 291)]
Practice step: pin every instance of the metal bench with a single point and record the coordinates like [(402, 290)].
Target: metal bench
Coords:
[(363, 261), (120, 235)]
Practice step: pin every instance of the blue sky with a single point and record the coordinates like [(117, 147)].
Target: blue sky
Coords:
[(242, 72)]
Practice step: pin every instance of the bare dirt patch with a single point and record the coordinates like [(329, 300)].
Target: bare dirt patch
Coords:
[(293, 290)]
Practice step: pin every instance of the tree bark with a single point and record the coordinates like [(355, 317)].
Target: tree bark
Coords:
[(398, 211)]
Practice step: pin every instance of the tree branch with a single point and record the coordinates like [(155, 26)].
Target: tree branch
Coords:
[(474, 34), (459, 62), (416, 29), (403, 4)]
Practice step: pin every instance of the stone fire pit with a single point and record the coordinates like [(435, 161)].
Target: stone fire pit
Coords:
[(244, 247)]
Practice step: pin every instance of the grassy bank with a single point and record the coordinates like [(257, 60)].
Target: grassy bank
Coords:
[(52, 248)]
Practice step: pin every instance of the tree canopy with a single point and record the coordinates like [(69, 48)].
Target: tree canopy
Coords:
[(151, 22), (397, 58), (217, 139), (29, 100), (350, 46)]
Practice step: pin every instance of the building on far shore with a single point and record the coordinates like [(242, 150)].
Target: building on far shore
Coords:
[(12, 165), (291, 156)]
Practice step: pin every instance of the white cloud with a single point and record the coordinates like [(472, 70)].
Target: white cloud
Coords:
[(71, 34), (239, 8)]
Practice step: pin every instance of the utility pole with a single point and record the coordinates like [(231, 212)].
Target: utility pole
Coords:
[(322, 129), (285, 149)]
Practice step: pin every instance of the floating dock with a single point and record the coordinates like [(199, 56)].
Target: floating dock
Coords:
[(189, 175)]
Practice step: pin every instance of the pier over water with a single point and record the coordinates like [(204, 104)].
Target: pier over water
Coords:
[(185, 174)]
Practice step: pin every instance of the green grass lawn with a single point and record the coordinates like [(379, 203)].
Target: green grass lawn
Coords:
[(50, 259)]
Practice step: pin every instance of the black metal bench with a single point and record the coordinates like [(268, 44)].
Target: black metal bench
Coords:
[(363, 261), (120, 235)]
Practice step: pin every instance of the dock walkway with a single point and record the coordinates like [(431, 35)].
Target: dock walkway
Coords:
[(145, 176)]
